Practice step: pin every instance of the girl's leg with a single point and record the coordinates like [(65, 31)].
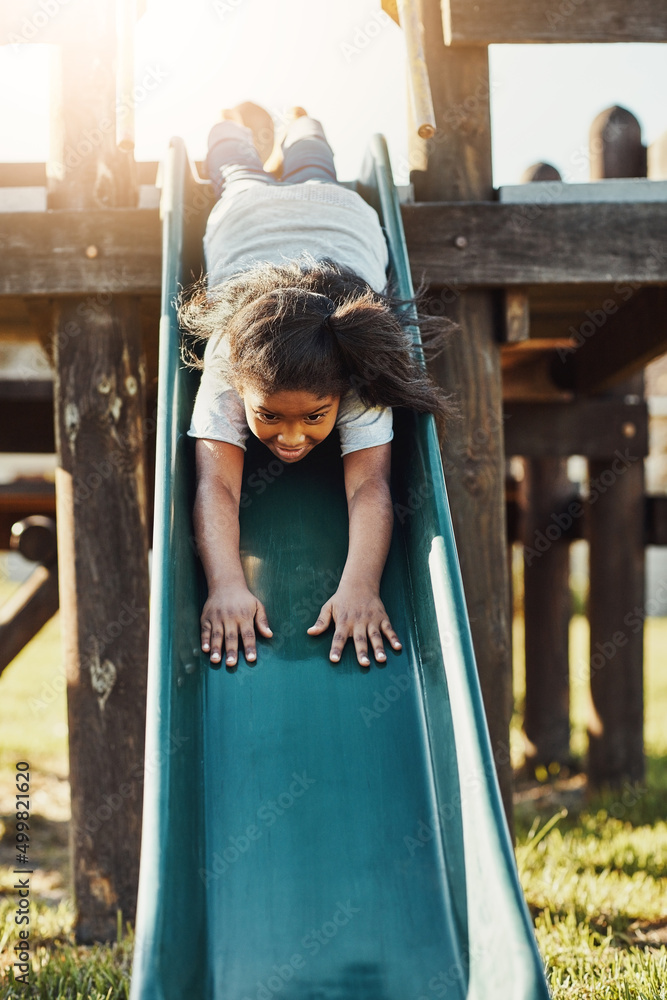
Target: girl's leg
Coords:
[(307, 156), (232, 159)]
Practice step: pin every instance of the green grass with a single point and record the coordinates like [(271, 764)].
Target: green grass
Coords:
[(61, 969), (594, 876), (596, 881)]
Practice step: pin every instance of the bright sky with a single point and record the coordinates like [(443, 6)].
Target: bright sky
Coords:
[(344, 63)]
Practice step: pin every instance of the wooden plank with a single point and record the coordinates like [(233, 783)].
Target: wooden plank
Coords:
[(95, 252), (615, 343), (590, 427), (492, 245), (486, 22), (45, 253), (26, 611), (34, 174), (573, 528), (36, 600), (456, 165), (22, 174), (21, 389)]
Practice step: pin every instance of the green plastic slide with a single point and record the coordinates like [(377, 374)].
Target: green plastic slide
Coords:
[(316, 832)]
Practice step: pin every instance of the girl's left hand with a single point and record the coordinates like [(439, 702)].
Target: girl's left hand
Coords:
[(359, 614)]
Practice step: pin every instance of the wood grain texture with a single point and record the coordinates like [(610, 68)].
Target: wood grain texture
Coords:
[(510, 245), (103, 558), (486, 22), (455, 165), (591, 427), (45, 253)]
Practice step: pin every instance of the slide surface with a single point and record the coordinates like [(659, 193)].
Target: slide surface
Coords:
[(316, 832)]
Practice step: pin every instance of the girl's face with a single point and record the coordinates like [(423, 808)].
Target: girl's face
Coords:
[(290, 423)]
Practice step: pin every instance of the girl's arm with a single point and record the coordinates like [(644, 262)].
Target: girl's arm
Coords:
[(356, 607), (230, 609)]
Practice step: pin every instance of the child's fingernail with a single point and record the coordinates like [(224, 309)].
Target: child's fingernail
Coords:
[(381, 656), (335, 657), (205, 647), (215, 656), (250, 656)]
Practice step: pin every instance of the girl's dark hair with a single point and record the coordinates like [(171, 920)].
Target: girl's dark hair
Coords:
[(315, 326)]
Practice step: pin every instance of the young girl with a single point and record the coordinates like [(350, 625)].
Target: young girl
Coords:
[(301, 339)]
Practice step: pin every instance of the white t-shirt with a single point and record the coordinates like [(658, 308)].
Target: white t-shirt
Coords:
[(277, 224)]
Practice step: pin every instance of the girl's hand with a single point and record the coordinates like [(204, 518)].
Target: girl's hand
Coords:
[(358, 613), (230, 612)]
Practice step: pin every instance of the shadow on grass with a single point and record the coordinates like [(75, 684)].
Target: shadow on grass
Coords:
[(637, 804)]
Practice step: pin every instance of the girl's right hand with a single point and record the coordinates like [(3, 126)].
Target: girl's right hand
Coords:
[(230, 612)]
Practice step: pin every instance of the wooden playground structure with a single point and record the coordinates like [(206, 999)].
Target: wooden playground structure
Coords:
[(560, 294)]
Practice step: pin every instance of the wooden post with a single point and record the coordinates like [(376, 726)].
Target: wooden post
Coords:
[(101, 507), (546, 492), (546, 567), (455, 165), (615, 731)]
